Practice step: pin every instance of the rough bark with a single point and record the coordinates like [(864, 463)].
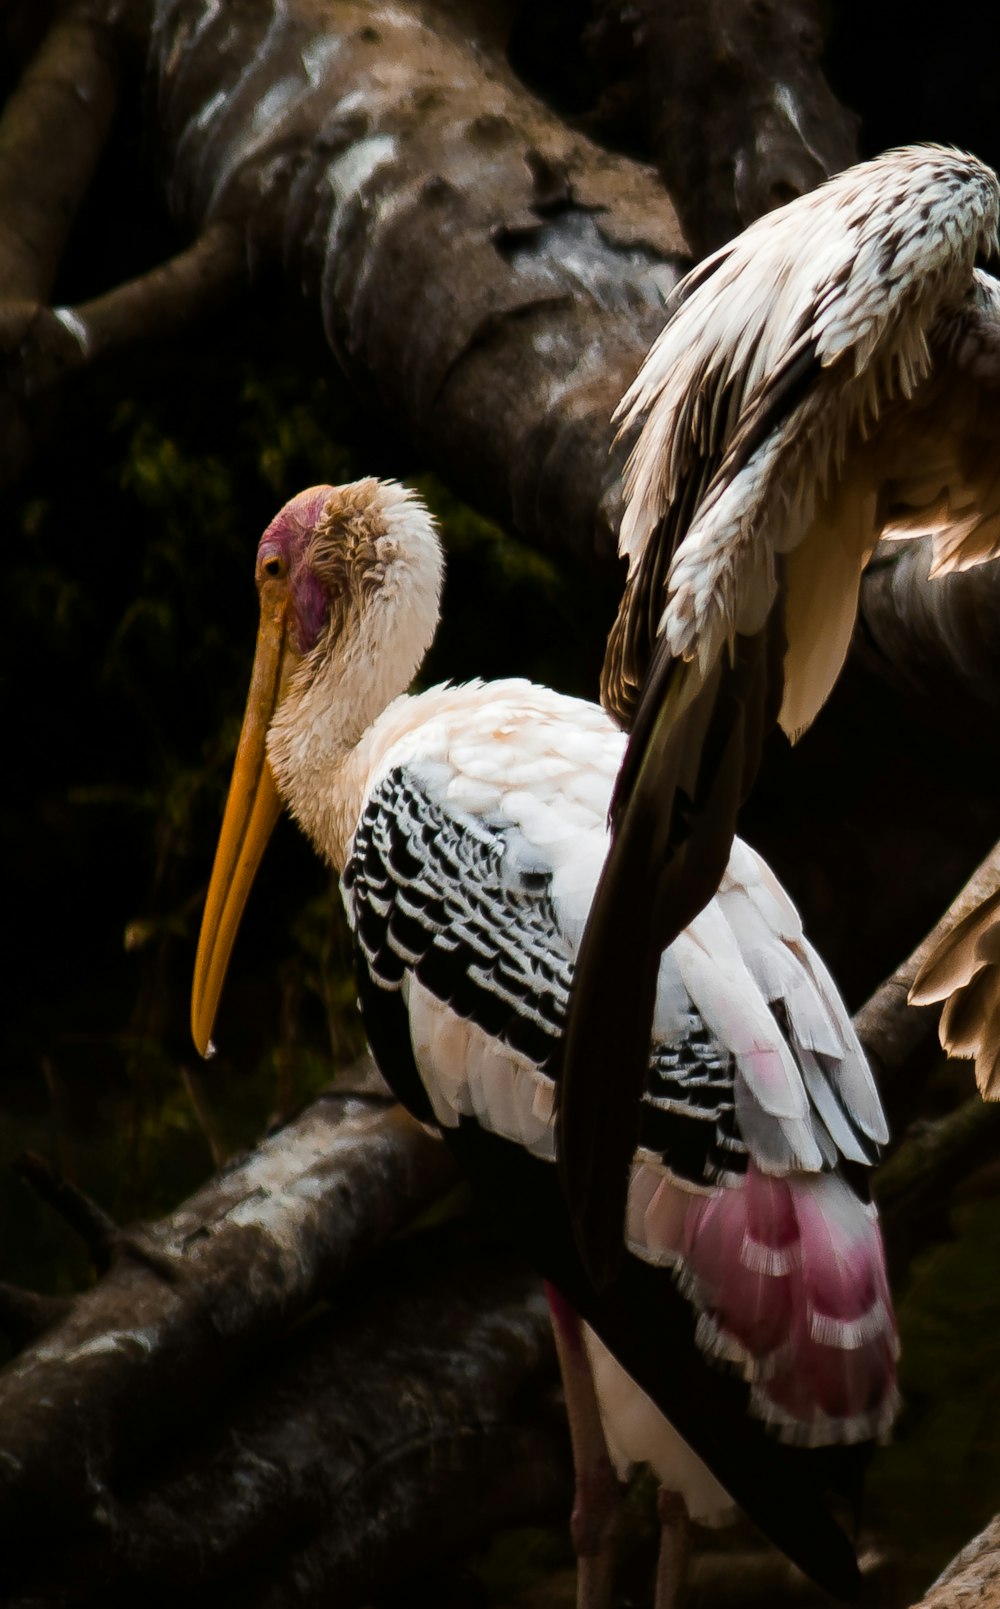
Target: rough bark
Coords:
[(494, 276), (370, 1444), (741, 116), (495, 279), (193, 1423), (189, 1440), (188, 1299), (972, 1579)]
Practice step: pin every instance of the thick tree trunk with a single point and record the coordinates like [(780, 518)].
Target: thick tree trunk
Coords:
[(740, 114), (494, 276)]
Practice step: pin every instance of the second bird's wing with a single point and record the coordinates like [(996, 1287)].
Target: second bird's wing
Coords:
[(787, 404)]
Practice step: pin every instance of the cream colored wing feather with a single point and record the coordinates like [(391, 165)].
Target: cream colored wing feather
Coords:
[(937, 459), (768, 388), (964, 971), (829, 374)]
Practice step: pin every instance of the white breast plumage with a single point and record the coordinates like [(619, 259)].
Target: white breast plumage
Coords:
[(469, 826)]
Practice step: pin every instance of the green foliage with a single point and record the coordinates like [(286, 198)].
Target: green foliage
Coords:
[(129, 628)]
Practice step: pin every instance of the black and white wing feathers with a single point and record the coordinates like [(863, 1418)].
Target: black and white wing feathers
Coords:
[(755, 1089), (828, 376), (752, 1055)]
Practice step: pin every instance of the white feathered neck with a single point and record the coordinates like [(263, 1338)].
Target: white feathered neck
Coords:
[(379, 548)]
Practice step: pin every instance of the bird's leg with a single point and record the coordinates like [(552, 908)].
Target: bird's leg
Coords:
[(675, 1537), (597, 1501)]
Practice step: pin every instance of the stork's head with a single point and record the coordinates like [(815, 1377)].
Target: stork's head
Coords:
[(335, 553), (349, 579)]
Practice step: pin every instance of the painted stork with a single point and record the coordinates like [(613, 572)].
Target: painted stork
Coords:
[(469, 825), (830, 377)]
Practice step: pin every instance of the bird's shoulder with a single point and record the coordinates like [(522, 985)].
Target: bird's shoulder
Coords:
[(509, 751)]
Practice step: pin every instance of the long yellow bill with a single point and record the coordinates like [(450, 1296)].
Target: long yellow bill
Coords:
[(251, 811)]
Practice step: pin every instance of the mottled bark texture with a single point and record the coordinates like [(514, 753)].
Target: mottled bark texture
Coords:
[(495, 279), (193, 1422), (972, 1579), (201, 1422), (189, 1299), (292, 1485), (740, 114), (493, 275)]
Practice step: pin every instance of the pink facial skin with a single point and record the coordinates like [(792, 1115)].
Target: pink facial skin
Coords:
[(288, 537)]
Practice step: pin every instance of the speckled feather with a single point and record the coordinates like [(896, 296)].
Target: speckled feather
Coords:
[(830, 377), (787, 408), (465, 884), (865, 293), (470, 827)]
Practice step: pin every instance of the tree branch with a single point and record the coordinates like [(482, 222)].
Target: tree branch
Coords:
[(496, 277), (40, 346), (972, 1577), (915, 1187), (740, 114), (51, 136), (248, 1253), (936, 640), (376, 1441)]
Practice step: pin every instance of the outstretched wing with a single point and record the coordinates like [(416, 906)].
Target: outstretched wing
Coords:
[(809, 390)]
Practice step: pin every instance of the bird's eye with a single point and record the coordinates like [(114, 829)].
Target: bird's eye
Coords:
[(273, 565)]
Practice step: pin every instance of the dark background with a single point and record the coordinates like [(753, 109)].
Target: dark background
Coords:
[(128, 622)]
